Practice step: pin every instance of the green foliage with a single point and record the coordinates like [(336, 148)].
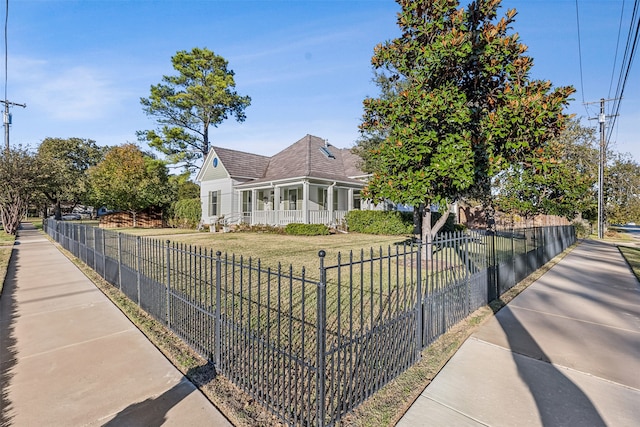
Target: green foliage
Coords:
[(557, 178), (20, 182), (622, 180), (380, 222), (130, 180), (64, 165), (459, 107), (186, 105), (186, 213), (583, 231), (260, 228), (296, 229)]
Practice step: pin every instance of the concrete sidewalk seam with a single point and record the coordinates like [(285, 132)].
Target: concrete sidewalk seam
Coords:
[(58, 310), (76, 344), (437, 402), (574, 319)]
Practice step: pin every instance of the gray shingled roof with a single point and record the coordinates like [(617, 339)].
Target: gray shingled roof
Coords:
[(305, 158), (242, 165)]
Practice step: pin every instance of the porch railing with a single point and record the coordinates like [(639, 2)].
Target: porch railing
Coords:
[(284, 217)]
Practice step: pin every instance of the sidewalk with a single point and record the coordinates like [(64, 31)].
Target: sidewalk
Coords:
[(69, 357), (565, 352)]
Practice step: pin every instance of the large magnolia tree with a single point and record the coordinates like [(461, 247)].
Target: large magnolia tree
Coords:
[(463, 106), (188, 104)]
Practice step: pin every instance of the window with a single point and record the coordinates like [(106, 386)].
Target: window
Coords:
[(357, 201), (292, 198), (214, 203), (322, 199), (246, 201)]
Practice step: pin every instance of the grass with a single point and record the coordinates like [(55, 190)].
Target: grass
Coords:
[(273, 249), (632, 255), (6, 246)]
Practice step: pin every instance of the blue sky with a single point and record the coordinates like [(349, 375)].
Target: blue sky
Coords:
[(81, 66)]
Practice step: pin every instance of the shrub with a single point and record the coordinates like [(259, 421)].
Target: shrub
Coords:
[(186, 213), (259, 228), (380, 222), (296, 229), (583, 229)]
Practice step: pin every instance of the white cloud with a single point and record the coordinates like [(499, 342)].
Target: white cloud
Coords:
[(66, 93)]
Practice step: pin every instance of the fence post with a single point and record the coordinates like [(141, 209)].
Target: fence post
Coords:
[(167, 254), (120, 261), (104, 254), (321, 341), (138, 265), (419, 307), (218, 315), (492, 277)]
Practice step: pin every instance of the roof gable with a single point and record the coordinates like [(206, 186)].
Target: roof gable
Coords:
[(227, 163), (310, 157)]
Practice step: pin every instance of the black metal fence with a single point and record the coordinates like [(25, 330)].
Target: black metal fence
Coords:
[(312, 346)]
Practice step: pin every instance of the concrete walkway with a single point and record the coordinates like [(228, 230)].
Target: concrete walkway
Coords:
[(565, 352), (69, 357)]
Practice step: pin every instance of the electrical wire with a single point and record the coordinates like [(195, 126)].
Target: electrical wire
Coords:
[(615, 57), (627, 62), (580, 59)]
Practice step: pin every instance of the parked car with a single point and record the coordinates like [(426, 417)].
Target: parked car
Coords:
[(71, 217)]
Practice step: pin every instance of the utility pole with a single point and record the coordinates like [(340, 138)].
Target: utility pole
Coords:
[(602, 161), (6, 119)]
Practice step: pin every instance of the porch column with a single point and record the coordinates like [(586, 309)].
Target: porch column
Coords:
[(254, 205), (276, 204), (305, 201), (330, 201), (350, 200)]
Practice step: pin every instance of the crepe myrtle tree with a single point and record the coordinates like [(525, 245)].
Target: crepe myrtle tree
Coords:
[(463, 107), (20, 182)]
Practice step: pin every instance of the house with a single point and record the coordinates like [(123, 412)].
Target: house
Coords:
[(310, 182)]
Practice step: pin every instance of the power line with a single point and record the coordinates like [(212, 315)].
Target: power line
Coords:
[(627, 61), (580, 59), (6, 116), (615, 57)]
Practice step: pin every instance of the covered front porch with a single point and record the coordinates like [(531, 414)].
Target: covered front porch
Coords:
[(305, 202)]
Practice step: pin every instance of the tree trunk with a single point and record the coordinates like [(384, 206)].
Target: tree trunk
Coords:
[(429, 232)]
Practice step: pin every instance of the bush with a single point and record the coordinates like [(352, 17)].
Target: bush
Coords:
[(259, 228), (296, 229), (186, 213), (583, 229), (380, 222)]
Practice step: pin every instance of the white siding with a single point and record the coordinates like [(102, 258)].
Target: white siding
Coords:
[(228, 202)]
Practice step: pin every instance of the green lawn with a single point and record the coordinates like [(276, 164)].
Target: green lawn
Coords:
[(632, 255), (6, 245), (272, 249)]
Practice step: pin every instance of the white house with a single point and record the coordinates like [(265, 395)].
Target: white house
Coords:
[(310, 182)]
